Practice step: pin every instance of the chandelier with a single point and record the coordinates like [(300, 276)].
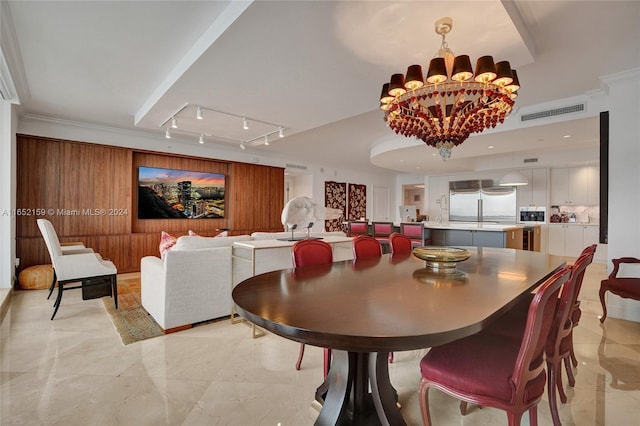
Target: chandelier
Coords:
[(452, 102)]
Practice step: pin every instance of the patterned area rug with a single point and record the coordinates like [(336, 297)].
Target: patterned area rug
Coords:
[(132, 322)]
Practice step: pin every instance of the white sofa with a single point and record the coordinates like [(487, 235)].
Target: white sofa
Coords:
[(191, 284)]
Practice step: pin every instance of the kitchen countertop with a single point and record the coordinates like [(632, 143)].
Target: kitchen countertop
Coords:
[(575, 223), (468, 226)]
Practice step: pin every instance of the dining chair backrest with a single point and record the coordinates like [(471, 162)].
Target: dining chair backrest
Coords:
[(562, 323), (414, 230), (365, 246), (311, 252), (400, 243), (577, 273), (382, 229), (356, 227), (50, 238), (541, 317)]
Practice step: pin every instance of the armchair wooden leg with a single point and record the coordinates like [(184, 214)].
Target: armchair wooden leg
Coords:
[(300, 355), (53, 283), (604, 305), (114, 289), (58, 300)]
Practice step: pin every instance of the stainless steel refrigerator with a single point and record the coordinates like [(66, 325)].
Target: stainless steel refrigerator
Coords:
[(481, 201)]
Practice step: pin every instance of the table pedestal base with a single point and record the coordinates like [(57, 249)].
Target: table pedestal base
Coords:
[(345, 395)]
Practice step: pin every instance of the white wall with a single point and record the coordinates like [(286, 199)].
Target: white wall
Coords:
[(7, 193), (624, 179)]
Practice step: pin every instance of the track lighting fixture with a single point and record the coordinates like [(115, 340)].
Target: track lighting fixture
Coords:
[(218, 126)]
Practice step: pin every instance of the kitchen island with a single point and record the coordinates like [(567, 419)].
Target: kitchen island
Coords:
[(476, 234)]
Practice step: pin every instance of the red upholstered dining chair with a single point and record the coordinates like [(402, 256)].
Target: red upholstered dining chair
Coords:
[(497, 370), (416, 232), (357, 227), (310, 252), (559, 345), (365, 246), (400, 243), (576, 312), (626, 287)]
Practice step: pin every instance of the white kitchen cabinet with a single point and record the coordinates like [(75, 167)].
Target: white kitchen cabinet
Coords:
[(575, 186), (593, 186), (535, 193), (570, 239), (438, 186)]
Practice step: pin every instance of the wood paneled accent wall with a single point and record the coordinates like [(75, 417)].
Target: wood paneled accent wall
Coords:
[(89, 193)]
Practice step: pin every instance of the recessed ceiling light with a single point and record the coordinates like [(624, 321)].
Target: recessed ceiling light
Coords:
[(566, 136), (491, 147), (402, 161)]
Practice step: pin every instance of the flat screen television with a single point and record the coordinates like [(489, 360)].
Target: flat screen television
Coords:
[(180, 194)]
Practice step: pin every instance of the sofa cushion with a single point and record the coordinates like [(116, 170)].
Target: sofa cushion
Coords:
[(167, 241), (221, 234), (193, 243)]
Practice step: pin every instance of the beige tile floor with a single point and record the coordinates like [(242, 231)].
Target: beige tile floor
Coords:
[(75, 371)]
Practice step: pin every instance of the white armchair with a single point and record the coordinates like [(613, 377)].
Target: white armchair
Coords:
[(87, 268), (65, 248), (187, 286)]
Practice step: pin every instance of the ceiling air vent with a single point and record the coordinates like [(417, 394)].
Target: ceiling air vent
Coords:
[(530, 160), (295, 166), (552, 112)]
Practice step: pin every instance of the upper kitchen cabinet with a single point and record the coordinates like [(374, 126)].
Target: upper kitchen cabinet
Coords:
[(575, 186), (535, 193)]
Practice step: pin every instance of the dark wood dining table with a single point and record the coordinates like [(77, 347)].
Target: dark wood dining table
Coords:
[(365, 309)]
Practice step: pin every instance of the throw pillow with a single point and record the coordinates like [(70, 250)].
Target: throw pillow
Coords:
[(193, 233), (167, 241), (222, 234)]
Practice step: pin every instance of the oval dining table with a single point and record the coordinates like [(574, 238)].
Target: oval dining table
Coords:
[(367, 308)]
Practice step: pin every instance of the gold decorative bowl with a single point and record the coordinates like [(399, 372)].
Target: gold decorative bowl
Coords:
[(443, 260)]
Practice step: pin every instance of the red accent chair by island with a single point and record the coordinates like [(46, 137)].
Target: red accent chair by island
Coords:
[(496, 370), (365, 246), (381, 232), (416, 232), (308, 253), (400, 243), (626, 287), (357, 227)]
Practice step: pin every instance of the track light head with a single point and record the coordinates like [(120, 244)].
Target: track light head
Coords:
[(242, 147), (174, 123), (281, 132), (245, 123), (201, 140), (167, 134), (199, 113), (266, 140)]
